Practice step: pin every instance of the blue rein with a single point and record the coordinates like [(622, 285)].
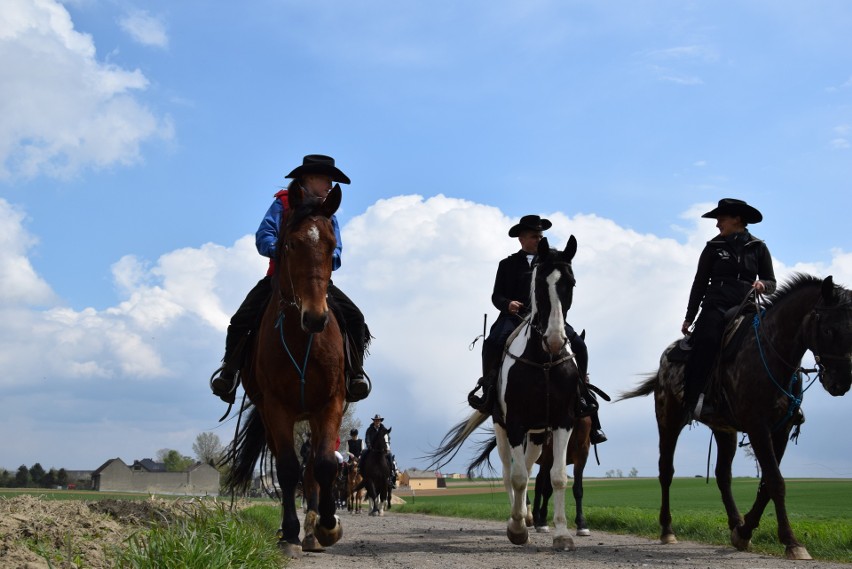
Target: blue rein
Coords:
[(279, 323), (795, 402)]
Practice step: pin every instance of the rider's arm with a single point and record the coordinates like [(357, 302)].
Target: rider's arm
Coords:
[(266, 236), (699, 284), (502, 286), (338, 249)]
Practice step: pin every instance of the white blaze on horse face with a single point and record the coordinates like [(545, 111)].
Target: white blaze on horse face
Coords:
[(554, 337), (313, 234)]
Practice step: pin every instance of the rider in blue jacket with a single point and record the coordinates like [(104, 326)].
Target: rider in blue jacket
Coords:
[(314, 176)]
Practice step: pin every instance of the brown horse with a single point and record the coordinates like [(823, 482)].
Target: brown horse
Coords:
[(296, 374), (354, 495), (758, 391)]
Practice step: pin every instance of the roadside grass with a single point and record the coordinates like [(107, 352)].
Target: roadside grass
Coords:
[(820, 511), (211, 537)]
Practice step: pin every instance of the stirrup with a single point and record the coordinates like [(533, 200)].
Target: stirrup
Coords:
[(358, 388), (224, 388)]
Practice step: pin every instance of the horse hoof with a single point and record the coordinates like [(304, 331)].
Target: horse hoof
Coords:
[(563, 543), (667, 539), (291, 550), (738, 542), (310, 543), (327, 536), (518, 538), (542, 529), (798, 552), (583, 532)]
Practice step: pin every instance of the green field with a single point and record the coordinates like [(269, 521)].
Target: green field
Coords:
[(820, 511)]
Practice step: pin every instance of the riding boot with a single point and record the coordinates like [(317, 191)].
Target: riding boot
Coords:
[(596, 435), (392, 466), (587, 403), (225, 380), (358, 386), (488, 381)]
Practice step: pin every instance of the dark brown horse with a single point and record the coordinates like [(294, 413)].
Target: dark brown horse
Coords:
[(354, 496), (757, 391), (297, 374)]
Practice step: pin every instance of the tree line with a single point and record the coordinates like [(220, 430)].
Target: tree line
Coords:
[(33, 477)]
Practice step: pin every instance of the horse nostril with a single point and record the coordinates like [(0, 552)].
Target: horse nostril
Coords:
[(314, 323)]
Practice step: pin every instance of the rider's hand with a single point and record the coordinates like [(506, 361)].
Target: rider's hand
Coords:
[(759, 286), (684, 329), (515, 306)]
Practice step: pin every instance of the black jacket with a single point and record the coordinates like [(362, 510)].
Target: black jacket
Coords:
[(726, 270), (513, 282)]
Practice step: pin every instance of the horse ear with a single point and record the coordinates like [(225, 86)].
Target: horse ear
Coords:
[(332, 201), (828, 289), (583, 334), (543, 248), (389, 430), (571, 247)]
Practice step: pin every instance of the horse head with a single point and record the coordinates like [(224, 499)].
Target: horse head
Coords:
[(381, 439), (831, 337), (553, 292), (305, 248)]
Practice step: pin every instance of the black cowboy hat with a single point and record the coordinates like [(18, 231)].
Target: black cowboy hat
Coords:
[(731, 206), (319, 164), (378, 418), (532, 222)]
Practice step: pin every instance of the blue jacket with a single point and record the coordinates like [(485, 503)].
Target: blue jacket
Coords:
[(266, 236)]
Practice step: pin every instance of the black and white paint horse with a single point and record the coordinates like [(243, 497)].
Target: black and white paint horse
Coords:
[(537, 391)]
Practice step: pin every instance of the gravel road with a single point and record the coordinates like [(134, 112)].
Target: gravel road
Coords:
[(415, 541)]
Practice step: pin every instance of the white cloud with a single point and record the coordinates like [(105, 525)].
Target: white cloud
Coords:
[(63, 110), (19, 283), (145, 29)]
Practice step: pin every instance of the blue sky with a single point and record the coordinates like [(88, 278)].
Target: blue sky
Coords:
[(141, 144)]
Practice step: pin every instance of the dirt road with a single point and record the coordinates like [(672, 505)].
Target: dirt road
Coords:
[(414, 541)]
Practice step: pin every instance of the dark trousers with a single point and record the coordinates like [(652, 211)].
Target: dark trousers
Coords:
[(353, 320), (706, 340), (245, 319)]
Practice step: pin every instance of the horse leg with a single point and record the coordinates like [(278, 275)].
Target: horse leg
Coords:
[(561, 540), (772, 487), (578, 454), (543, 491), (288, 468), (519, 472), (505, 454), (669, 427), (727, 445), (324, 526)]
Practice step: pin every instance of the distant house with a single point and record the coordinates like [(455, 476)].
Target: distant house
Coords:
[(420, 479), (150, 477)]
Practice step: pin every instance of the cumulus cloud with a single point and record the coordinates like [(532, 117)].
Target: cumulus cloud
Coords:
[(19, 284), (145, 29), (422, 271), (64, 110)]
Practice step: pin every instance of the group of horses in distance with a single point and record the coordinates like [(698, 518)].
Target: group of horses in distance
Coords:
[(296, 373)]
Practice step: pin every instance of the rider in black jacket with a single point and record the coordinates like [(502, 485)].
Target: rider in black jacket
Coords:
[(731, 264)]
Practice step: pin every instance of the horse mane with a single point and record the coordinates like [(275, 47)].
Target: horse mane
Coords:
[(796, 282)]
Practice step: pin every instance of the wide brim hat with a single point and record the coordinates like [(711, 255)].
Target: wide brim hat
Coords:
[(319, 164), (531, 222), (735, 207), (378, 418)]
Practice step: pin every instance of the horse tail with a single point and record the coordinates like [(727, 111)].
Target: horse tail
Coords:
[(247, 448), (647, 387), (484, 457), (453, 440)]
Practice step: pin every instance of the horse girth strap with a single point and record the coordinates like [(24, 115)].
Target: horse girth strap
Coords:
[(546, 366)]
